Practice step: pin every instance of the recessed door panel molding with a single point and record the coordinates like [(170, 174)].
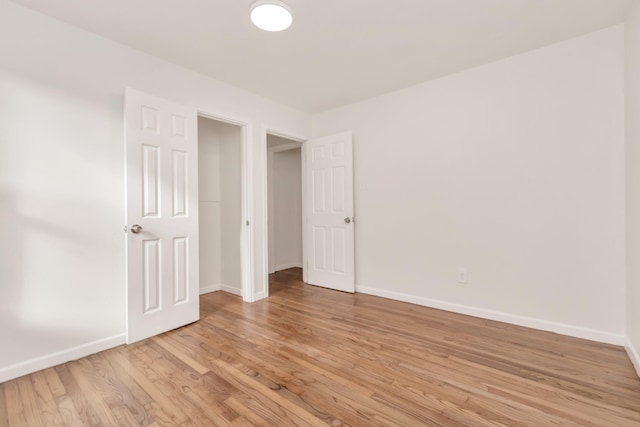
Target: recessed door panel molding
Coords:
[(161, 189), (180, 183), (337, 150), (337, 189), (180, 271), (150, 181), (150, 119), (152, 276), (339, 243), (329, 226), (319, 195), (319, 245), (178, 126), (317, 154)]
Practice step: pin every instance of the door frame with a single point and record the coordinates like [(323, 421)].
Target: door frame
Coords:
[(247, 256), (267, 130)]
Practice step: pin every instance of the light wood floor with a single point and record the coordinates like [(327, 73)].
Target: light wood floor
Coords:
[(311, 356)]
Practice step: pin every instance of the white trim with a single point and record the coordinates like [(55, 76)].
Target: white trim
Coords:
[(231, 289), (23, 368), (305, 219), (263, 281), (247, 244), (284, 147), (286, 266), (223, 118), (210, 288), (634, 355), (221, 287), (271, 227), (529, 322), (269, 130)]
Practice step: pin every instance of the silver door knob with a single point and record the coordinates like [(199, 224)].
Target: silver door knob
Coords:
[(347, 220), (135, 228)]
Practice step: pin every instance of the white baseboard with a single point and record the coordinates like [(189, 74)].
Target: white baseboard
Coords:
[(634, 355), (286, 266), (261, 295), (210, 288), (231, 289), (221, 287), (529, 322), (57, 358)]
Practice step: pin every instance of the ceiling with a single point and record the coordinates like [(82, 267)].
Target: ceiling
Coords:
[(337, 51)]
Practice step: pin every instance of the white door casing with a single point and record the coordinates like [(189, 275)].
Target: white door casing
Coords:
[(330, 245), (161, 167)]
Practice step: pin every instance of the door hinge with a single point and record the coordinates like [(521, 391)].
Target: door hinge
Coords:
[(247, 223)]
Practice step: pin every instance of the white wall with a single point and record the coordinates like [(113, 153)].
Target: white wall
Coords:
[(231, 212), (62, 271), (514, 170), (287, 212), (209, 204), (632, 81)]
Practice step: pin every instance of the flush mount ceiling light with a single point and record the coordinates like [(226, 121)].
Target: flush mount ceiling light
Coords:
[(270, 15)]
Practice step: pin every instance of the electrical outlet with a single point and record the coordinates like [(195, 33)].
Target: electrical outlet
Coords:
[(462, 274)]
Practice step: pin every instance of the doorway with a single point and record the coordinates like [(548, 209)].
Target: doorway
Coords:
[(220, 205), (285, 201)]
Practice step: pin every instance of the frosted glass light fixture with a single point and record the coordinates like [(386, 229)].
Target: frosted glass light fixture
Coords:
[(271, 15)]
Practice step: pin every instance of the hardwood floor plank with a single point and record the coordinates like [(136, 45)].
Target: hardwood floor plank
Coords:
[(217, 412), (34, 415), (168, 396), (247, 384), (53, 381), (252, 418), (86, 413), (160, 405), (15, 405), (177, 352), (311, 356), (44, 401), (125, 398), (67, 414), (4, 416), (90, 385)]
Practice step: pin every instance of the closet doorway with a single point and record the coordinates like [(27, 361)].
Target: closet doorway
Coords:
[(220, 205), (284, 191)]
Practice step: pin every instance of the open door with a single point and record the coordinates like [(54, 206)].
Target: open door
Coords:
[(161, 167), (329, 235)]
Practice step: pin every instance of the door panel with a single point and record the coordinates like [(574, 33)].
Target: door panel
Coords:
[(162, 194), (151, 275), (329, 218), (180, 181)]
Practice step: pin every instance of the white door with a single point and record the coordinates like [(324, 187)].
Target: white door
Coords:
[(161, 215), (329, 247)]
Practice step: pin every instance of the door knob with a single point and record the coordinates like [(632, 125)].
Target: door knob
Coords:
[(347, 220), (135, 228)]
